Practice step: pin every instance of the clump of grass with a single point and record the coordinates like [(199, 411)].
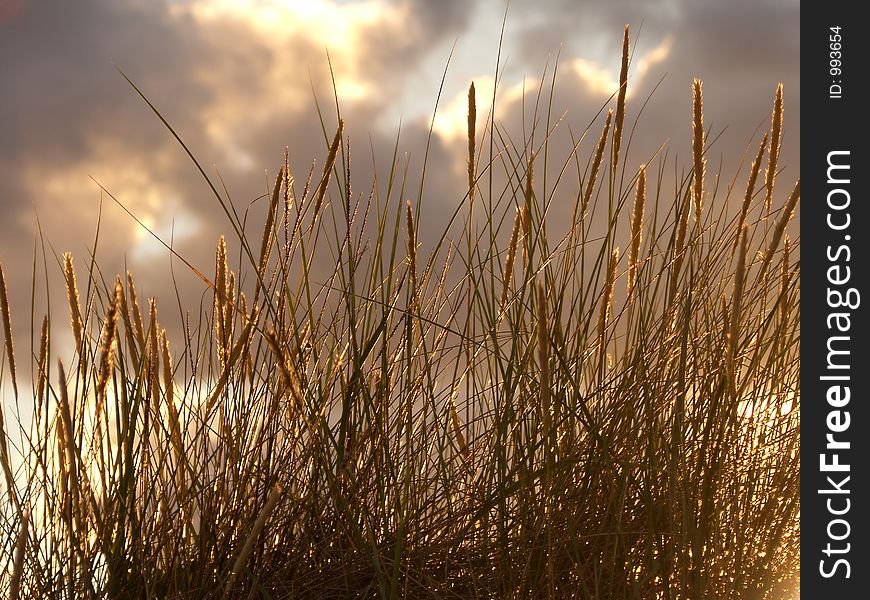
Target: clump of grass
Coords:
[(421, 423)]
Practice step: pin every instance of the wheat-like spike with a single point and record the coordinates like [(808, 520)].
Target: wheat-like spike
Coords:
[(775, 143), (750, 188), (544, 360), (288, 192), (636, 230), (472, 125), (269, 229), (784, 218), (72, 292), (168, 383), (18, 561), (698, 147), (220, 298), (42, 369), (107, 344), (607, 298), (511, 257), (596, 163), (327, 171), (7, 325), (137, 312), (129, 334), (412, 254), (620, 100)]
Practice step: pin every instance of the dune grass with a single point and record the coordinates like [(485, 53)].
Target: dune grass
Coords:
[(506, 413)]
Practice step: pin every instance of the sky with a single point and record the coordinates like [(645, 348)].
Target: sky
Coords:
[(238, 80)]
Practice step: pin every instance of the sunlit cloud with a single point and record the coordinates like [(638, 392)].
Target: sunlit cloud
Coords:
[(338, 28), (600, 80), (451, 121), (238, 78), (65, 204)]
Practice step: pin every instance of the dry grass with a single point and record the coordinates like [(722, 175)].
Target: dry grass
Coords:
[(426, 421)]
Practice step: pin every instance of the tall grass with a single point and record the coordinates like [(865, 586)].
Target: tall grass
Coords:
[(507, 415)]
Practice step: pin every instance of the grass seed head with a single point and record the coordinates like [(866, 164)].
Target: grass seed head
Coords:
[(7, 328), (636, 230), (775, 144), (699, 163), (72, 292), (596, 163), (620, 99)]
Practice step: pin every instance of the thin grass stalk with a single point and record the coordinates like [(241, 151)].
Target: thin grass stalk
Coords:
[(18, 561), (262, 517), (107, 345), (750, 188), (544, 365), (636, 232), (286, 371), (5, 460), (528, 198), (735, 316), (412, 256), (68, 435), (784, 218), (548, 429), (682, 225), (472, 126), (507, 273), (785, 274), (457, 426), (607, 298)]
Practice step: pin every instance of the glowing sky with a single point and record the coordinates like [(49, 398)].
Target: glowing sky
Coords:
[(238, 78)]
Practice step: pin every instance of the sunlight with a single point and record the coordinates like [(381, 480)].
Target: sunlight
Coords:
[(599, 79), (339, 29), (451, 121)]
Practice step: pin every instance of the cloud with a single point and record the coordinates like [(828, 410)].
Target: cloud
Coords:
[(237, 79)]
